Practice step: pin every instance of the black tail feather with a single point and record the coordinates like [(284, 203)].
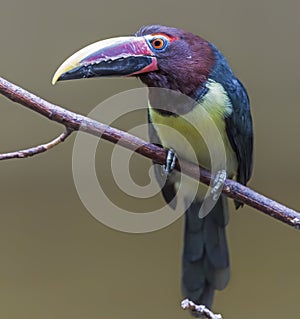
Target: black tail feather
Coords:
[(205, 260)]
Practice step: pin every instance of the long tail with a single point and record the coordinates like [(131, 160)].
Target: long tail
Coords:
[(205, 260)]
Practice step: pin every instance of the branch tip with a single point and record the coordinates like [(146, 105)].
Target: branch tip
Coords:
[(36, 149), (200, 310)]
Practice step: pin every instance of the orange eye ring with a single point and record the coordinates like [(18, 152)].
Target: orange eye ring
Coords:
[(158, 43)]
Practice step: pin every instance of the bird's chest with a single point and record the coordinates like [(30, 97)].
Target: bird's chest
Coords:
[(182, 136)]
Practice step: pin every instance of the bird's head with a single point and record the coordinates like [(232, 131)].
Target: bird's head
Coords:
[(160, 56)]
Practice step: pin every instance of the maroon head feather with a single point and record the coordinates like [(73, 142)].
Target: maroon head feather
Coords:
[(184, 65)]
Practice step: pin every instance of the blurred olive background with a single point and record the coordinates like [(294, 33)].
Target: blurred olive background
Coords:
[(57, 261)]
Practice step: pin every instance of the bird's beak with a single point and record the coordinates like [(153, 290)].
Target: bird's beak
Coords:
[(122, 56)]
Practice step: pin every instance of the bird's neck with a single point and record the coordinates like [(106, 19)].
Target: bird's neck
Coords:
[(169, 101)]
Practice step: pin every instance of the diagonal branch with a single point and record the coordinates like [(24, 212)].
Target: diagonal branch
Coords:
[(75, 122)]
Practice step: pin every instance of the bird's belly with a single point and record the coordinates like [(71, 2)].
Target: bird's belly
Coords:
[(184, 140)]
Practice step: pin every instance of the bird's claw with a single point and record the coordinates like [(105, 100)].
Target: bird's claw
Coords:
[(218, 183), (170, 162)]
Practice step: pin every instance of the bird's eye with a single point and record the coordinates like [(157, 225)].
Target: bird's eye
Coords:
[(158, 43)]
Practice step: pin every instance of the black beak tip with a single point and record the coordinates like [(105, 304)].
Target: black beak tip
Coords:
[(76, 73)]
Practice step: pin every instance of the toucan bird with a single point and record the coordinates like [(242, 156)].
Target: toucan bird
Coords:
[(177, 60)]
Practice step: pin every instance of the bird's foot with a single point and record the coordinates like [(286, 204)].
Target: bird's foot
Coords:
[(218, 183), (170, 162)]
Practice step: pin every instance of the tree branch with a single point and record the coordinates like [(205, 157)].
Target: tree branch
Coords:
[(36, 149), (76, 122), (201, 310)]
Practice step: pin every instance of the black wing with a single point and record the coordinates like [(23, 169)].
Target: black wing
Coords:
[(239, 123), (240, 131)]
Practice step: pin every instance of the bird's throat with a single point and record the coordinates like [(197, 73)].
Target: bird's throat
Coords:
[(169, 102)]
